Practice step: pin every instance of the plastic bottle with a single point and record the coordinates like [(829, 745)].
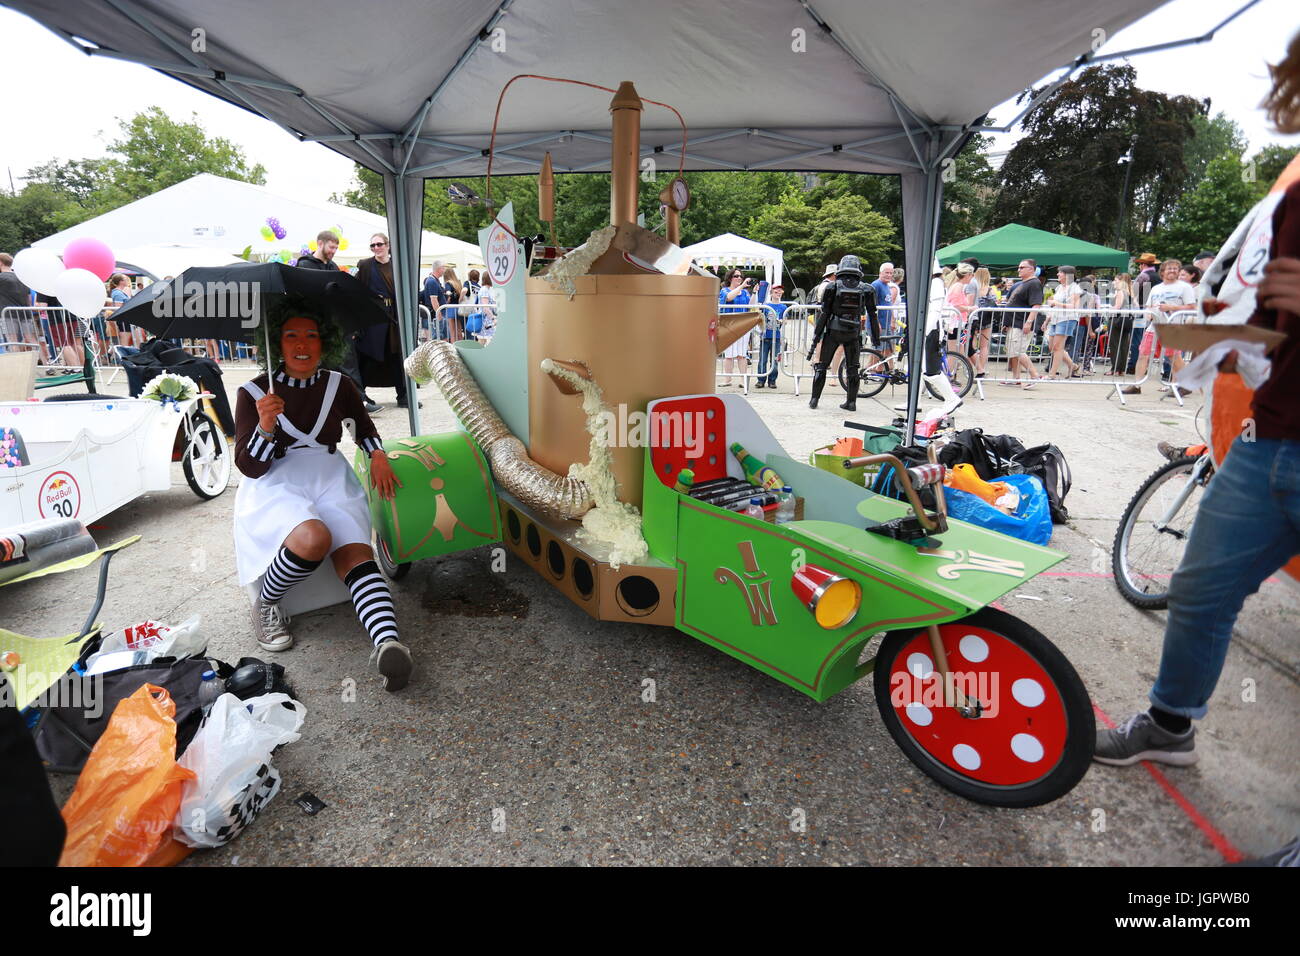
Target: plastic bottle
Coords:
[(785, 505), (755, 509), (211, 688)]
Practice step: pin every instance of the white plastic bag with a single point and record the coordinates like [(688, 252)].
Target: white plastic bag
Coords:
[(231, 755), (145, 642)]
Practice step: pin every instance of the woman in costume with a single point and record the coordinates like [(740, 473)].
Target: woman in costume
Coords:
[(300, 501)]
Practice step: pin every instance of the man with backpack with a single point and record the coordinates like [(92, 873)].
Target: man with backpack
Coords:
[(839, 325)]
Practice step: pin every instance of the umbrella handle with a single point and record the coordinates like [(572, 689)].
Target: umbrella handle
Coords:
[(270, 372)]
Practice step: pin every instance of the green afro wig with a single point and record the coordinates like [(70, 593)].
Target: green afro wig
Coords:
[(332, 343)]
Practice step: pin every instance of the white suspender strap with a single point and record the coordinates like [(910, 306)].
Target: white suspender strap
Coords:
[(331, 389)]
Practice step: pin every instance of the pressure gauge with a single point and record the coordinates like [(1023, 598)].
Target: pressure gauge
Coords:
[(676, 194)]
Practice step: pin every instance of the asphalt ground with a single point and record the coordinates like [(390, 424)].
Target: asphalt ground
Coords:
[(524, 737)]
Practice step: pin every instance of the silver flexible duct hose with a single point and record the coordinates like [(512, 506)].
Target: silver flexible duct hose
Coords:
[(537, 487)]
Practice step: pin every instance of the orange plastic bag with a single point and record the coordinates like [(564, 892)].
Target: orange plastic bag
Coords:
[(964, 478), (122, 810)]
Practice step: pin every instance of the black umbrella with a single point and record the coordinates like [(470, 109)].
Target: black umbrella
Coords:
[(229, 302)]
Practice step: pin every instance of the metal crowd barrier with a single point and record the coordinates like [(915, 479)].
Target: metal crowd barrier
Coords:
[(797, 329), (449, 325), (1116, 345), (50, 329), (754, 345)]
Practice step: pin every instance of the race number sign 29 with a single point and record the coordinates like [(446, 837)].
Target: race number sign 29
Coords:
[(502, 254), (60, 496)]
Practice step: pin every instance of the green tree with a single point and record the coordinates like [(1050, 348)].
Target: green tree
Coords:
[(32, 214), (1206, 216), (153, 152), (1064, 174), (811, 236), (1266, 165), (790, 224), (366, 191), (968, 192), (1211, 138)]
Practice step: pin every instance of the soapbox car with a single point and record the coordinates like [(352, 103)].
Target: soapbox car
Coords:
[(979, 700)]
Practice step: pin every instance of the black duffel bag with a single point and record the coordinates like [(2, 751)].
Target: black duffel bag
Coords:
[(73, 713), (1047, 464)]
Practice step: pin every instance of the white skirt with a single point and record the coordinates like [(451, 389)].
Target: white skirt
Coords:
[(306, 484), (738, 348)]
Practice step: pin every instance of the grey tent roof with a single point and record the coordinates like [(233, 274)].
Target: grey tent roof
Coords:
[(764, 84)]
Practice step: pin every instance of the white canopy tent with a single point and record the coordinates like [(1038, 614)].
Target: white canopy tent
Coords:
[(764, 84), (209, 220), (161, 259), (731, 250)]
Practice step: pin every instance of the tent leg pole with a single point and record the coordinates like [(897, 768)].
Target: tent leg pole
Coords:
[(404, 198)]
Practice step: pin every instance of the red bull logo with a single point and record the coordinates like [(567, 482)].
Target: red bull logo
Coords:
[(60, 496)]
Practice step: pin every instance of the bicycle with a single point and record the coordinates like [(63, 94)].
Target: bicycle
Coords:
[(1152, 534), (875, 371)]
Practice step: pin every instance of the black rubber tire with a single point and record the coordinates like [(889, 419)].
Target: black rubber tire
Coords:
[(203, 425), (869, 382), (960, 372), (1071, 701), (1146, 600), (384, 558), (80, 397)]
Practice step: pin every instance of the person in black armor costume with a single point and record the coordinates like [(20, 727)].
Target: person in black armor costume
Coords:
[(839, 323)]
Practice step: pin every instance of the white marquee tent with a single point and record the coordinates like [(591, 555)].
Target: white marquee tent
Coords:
[(731, 250), (209, 220)]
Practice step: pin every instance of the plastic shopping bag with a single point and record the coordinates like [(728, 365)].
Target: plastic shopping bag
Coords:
[(1032, 521), (145, 642), (122, 810), (231, 762)]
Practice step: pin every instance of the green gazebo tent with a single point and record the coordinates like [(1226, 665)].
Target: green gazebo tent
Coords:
[(1007, 245)]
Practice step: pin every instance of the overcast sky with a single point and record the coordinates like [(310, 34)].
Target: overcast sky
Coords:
[(62, 104)]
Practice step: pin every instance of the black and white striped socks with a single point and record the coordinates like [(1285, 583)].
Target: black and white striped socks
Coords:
[(373, 601), (286, 570)]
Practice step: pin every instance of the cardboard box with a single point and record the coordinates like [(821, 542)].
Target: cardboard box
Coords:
[(1199, 336)]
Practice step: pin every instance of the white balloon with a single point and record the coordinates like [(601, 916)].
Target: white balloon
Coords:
[(38, 269), (80, 292)]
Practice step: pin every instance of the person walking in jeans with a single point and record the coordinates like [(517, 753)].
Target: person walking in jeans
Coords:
[(1248, 522), (770, 352)]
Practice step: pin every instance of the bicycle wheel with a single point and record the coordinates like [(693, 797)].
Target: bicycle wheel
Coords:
[(1152, 534), (873, 375), (206, 460), (1033, 737), (959, 371)]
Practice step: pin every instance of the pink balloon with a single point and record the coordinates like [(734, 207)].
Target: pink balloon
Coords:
[(91, 255)]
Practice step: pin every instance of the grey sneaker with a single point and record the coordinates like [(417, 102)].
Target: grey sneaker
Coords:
[(1172, 452), (393, 660), (1141, 738), (270, 627)]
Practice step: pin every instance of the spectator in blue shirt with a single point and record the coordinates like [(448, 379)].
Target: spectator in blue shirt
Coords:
[(885, 295), (433, 295)]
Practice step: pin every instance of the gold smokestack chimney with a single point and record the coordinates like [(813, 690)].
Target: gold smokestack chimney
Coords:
[(546, 192), (625, 161)]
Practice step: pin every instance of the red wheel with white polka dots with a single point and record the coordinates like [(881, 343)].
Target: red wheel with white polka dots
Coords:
[(1031, 738)]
